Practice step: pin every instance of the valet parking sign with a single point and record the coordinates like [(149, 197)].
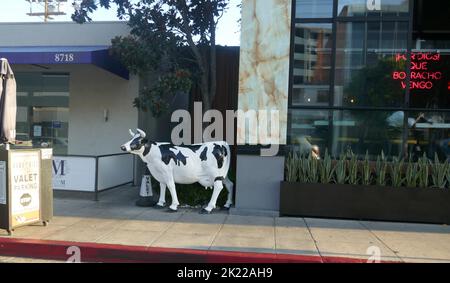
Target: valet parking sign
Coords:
[(25, 187)]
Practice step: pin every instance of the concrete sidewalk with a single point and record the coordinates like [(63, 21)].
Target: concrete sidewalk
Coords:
[(116, 220)]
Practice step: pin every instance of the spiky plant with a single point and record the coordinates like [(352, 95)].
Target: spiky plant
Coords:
[(313, 169), (381, 168), (341, 170), (291, 167), (366, 171), (423, 171), (412, 174), (302, 168), (396, 172), (439, 172), (353, 169), (326, 169)]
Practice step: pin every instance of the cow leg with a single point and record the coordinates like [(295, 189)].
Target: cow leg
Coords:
[(162, 195), (218, 187), (173, 193), (230, 186)]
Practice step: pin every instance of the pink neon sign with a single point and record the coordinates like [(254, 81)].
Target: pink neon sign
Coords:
[(422, 76)]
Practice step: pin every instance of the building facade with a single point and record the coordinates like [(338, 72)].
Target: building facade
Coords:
[(366, 76)]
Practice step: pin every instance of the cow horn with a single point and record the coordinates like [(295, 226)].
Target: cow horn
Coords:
[(132, 134), (142, 133)]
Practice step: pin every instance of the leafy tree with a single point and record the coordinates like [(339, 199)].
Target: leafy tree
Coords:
[(168, 37)]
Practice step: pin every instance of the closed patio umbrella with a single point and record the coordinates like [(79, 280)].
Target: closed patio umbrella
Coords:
[(8, 106)]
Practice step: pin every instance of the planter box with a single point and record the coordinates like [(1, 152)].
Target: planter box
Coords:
[(365, 202)]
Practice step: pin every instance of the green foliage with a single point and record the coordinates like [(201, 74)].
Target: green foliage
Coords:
[(439, 172), (292, 167), (313, 169), (353, 169), (326, 169), (341, 170), (423, 171), (303, 168), (161, 31), (154, 99), (412, 176), (381, 170), (396, 172), (366, 171)]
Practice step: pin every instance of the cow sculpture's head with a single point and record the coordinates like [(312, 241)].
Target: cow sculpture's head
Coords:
[(137, 144)]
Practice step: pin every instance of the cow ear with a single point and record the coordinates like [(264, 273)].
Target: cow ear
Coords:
[(132, 134)]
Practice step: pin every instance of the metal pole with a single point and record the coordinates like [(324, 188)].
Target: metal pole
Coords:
[(46, 11)]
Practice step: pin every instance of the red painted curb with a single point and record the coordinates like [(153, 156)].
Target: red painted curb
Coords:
[(93, 252)]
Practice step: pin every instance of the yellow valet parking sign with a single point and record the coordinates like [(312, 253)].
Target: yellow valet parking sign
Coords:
[(25, 187)]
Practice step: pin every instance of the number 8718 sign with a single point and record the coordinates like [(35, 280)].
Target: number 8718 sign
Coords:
[(64, 57)]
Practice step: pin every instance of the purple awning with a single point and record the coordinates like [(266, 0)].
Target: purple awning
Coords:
[(57, 55)]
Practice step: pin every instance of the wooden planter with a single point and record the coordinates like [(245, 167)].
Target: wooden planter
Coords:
[(365, 202)]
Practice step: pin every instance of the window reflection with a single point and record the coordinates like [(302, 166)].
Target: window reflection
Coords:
[(372, 8), (314, 9), (312, 64), (365, 60), (43, 110)]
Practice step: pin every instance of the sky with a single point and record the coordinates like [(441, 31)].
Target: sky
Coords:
[(228, 31)]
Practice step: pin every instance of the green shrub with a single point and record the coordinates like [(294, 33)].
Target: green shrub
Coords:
[(292, 167), (412, 174), (439, 172), (353, 169), (366, 171), (423, 171), (341, 170), (396, 172), (313, 169), (381, 170), (326, 169)]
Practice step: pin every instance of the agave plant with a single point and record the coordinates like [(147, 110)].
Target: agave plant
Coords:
[(353, 169), (412, 176), (423, 171), (366, 171), (291, 167), (381, 167), (341, 170), (396, 172), (326, 169), (302, 168), (313, 169), (439, 172)]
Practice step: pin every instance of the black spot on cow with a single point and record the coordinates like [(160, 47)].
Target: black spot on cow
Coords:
[(181, 159), (204, 155), (168, 155), (220, 152)]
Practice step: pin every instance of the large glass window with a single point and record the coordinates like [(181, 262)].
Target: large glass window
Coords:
[(351, 70), (372, 8), (312, 64), (314, 9), (43, 110), (366, 59)]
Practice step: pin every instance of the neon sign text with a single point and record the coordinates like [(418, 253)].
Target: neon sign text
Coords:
[(421, 76)]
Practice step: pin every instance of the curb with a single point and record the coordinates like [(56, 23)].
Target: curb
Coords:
[(106, 253)]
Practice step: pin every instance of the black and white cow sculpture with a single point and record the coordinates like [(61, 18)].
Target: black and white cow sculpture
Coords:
[(207, 164)]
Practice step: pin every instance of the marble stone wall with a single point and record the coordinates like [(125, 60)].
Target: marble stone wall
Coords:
[(264, 69)]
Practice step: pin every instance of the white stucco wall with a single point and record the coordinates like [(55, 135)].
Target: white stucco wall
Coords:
[(92, 91)]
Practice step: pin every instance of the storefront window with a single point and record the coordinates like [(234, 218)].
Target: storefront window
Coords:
[(43, 110), (366, 58), (312, 64), (355, 95), (367, 131), (372, 8), (314, 9)]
